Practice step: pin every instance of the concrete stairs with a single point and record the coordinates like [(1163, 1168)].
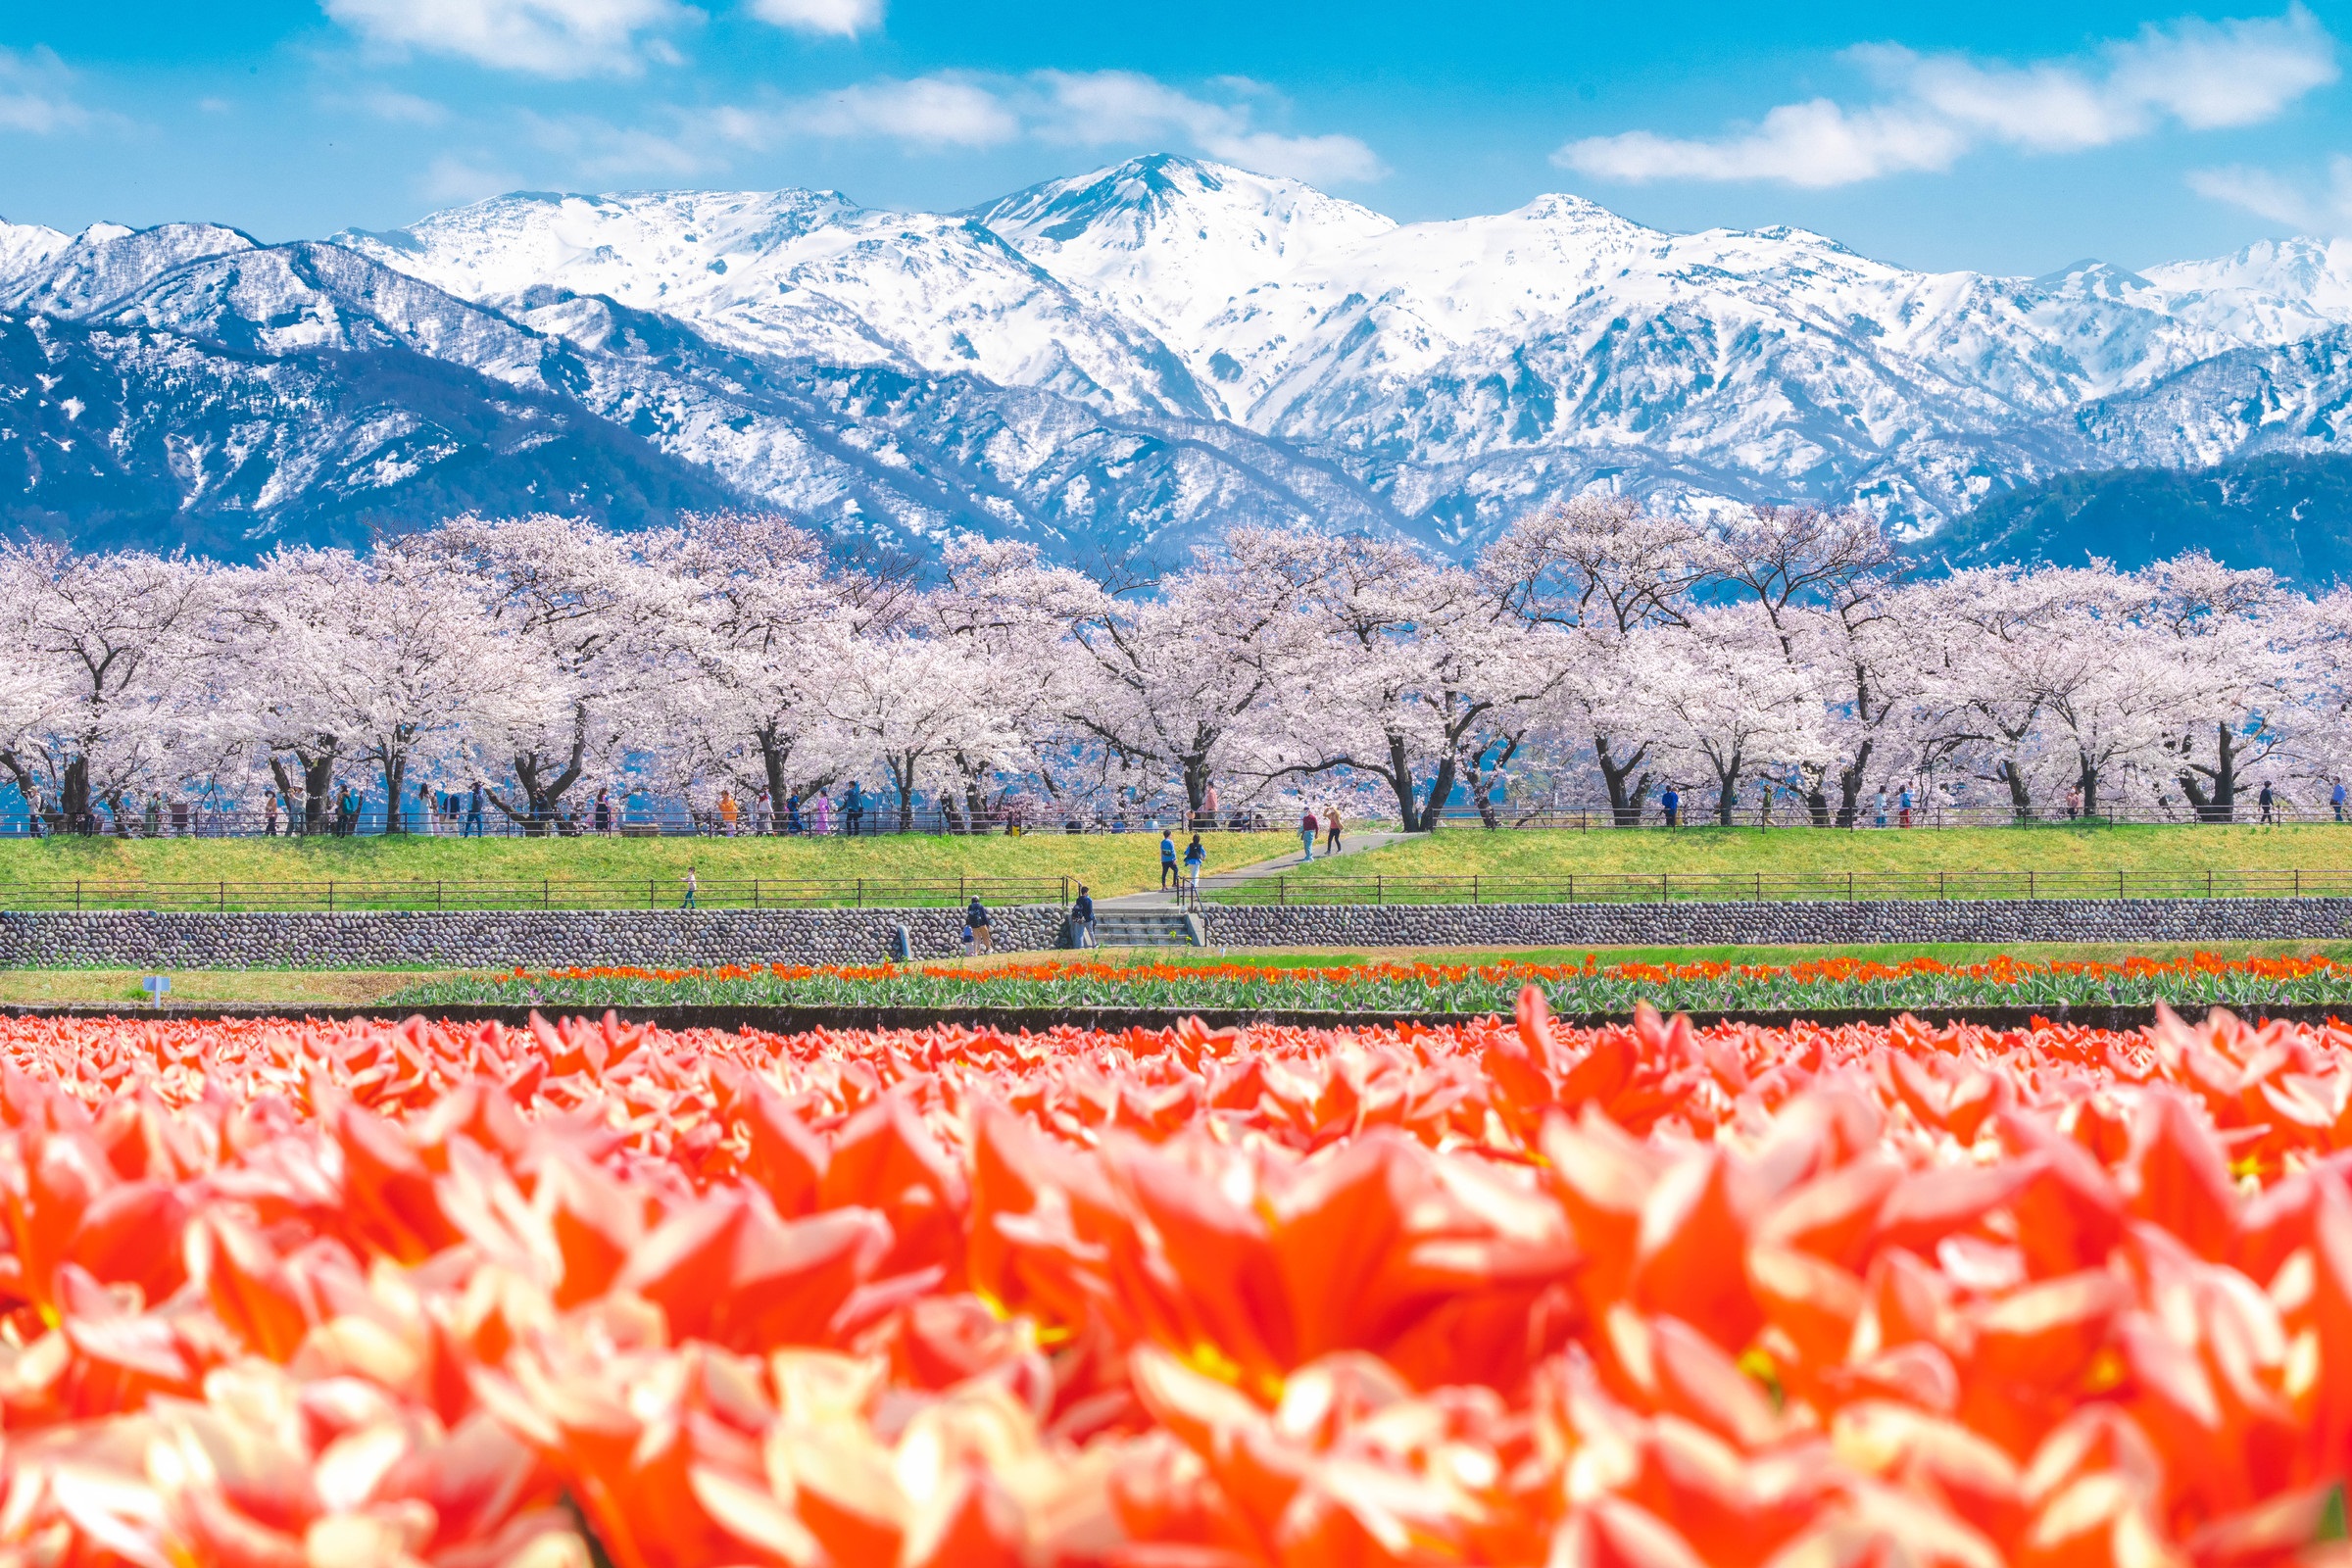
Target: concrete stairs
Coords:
[(1133, 927)]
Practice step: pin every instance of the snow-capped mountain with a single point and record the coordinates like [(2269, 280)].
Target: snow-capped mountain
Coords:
[(1140, 353)]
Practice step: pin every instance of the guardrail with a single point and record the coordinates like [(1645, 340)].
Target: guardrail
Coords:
[(638, 893), (1763, 887)]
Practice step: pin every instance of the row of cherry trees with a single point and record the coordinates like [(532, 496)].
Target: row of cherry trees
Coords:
[(1594, 654)]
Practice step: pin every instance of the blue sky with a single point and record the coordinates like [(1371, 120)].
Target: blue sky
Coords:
[(2004, 137)]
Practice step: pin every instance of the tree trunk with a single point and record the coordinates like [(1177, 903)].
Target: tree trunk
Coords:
[(73, 795), (1479, 778), (396, 774), (903, 769), (1726, 790), (2021, 804), (1439, 788), (2088, 779), (1624, 803), (2219, 804), (773, 754), (1849, 785)]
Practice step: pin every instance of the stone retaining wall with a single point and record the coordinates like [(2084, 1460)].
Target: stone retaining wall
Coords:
[(1570, 925), (664, 938), (652, 937)]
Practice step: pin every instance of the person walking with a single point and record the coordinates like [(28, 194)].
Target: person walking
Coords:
[(976, 928), (728, 811), (600, 816), (1331, 824), (693, 886), (269, 816), (1167, 860), (1307, 834), (2336, 799), (2266, 798), (1671, 800), (1903, 806), (1082, 920), (792, 813), (473, 812), (1881, 819), (763, 815), (853, 808), (820, 815), (2074, 802), (1194, 855), (1208, 804)]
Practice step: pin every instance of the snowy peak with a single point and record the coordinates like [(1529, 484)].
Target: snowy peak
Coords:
[(799, 274), (1129, 207), (106, 263), (25, 246)]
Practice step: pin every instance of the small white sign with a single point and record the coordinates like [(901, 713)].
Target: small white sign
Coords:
[(155, 985)]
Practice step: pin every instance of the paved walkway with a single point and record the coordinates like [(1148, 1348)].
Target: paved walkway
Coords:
[(1351, 844)]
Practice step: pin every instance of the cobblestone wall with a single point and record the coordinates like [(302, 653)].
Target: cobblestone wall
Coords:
[(1709, 924), (654, 938), (673, 937)]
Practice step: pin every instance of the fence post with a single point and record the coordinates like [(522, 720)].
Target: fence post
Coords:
[(2209, 883), (547, 894), (861, 893), (1282, 890), (2029, 887), (1759, 887), (648, 892), (1850, 887), (440, 896), (755, 893), (1377, 881), (1473, 890), (1662, 887), (224, 898), (77, 895), (2298, 882), (331, 897), (1572, 887)]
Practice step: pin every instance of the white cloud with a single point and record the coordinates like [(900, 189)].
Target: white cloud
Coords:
[(37, 93), (927, 112), (549, 37), (1061, 108), (2314, 207), (845, 19), (1937, 107)]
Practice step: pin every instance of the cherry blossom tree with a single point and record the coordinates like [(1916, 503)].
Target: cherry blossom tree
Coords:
[(110, 676)]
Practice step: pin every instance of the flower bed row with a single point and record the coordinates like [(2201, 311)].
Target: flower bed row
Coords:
[(1588, 987), (1497, 1292)]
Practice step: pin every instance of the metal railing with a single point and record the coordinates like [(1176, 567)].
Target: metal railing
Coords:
[(1731, 887), (1697, 814), (550, 893), (674, 822)]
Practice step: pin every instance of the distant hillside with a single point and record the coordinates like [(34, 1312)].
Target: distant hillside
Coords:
[(2290, 514)]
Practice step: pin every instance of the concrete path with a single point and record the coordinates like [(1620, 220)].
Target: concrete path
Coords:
[(1352, 844)]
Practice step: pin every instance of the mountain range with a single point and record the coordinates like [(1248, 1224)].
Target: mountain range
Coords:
[(1128, 359)]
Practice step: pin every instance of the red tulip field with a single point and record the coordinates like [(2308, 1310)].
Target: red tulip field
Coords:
[(1496, 1291)]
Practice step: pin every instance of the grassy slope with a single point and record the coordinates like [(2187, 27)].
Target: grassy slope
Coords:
[(1109, 862), (1787, 852)]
